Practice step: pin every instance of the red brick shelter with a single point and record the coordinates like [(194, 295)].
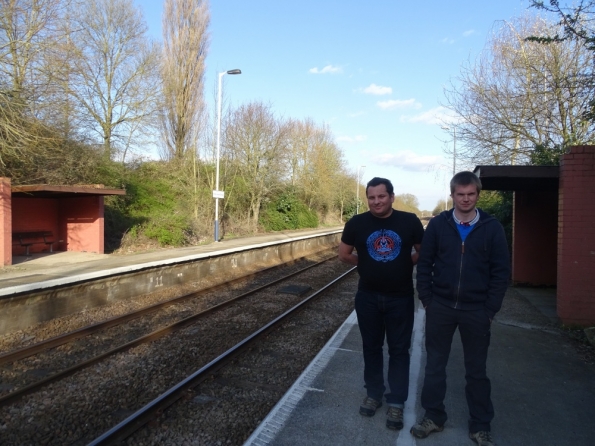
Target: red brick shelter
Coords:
[(554, 228), (48, 218)]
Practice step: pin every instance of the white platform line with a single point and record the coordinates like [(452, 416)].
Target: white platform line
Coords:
[(275, 420), (409, 415)]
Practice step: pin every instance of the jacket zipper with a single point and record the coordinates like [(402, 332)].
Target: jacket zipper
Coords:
[(460, 274)]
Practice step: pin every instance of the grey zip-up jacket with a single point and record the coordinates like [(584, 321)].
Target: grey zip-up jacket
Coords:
[(465, 275)]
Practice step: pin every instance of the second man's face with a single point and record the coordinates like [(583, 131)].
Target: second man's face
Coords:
[(465, 198), (380, 201)]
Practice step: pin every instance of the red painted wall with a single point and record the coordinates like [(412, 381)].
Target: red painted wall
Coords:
[(576, 237), (81, 222), (34, 214), (5, 221), (535, 237)]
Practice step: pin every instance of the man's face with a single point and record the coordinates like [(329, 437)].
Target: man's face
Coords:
[(380, 201), (465, 198)]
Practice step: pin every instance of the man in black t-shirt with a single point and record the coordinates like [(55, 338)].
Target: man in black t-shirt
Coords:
[(384, 239)]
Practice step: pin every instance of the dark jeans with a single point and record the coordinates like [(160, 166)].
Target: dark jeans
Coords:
[(474, 328), (379, 315)]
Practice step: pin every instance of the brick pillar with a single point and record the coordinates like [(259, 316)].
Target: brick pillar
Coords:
[(5, 221), (576, 237)]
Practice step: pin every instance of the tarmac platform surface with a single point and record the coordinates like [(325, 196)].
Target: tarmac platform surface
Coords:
[(543, 390)]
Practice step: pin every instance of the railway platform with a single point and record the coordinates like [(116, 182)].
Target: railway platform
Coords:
[(542, 388), (543, 391)]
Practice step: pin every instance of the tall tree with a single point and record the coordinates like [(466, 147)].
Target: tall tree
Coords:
[(519, 95), (254, 148), (185, 45), (113, 73)]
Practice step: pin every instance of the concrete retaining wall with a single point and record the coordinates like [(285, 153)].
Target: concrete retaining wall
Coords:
[(20, 311)]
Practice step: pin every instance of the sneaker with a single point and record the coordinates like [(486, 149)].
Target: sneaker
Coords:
[(369, 406), (424, 428), (394, 418), (482, 438)]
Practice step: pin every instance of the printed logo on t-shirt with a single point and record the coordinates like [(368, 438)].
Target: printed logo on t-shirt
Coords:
[(384, 245)]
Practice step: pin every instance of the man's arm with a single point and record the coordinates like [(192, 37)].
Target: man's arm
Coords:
[(346, 254), (425, 264), (415, 255), (499, 272)]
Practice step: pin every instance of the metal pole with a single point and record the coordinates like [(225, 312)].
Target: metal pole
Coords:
[(217, 164), (235, 71)]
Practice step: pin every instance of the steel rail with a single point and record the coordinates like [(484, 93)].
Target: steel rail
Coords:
[(56, 341), (31, 388), (144, 415)]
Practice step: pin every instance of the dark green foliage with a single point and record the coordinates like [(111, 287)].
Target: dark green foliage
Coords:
[(545, 156), (151, 207), (287, 212), (499, 205)]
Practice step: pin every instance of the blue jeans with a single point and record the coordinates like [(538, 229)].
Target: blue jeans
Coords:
[(474, 328), (379, 315)]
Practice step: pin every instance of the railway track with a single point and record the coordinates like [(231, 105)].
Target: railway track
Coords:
[(136, 373)]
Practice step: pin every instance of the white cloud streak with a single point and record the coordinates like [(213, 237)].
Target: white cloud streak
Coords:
[(329, 69), (378, 90), (407, 160), (393, 104)]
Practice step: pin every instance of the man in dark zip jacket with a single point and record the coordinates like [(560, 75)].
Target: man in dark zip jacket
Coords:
[(462, 275)]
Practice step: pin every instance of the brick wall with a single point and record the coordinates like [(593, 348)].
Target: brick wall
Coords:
[(5, 222), (576, 237), (534, 237), (82, 223)]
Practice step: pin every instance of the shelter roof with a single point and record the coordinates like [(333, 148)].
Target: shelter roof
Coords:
[(58, 191), (518, 178)]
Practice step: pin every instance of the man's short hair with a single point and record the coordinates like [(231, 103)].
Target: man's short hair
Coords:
[(465, 178), (377, 181)]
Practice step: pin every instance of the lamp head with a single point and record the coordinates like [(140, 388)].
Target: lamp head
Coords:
[(236, 71)]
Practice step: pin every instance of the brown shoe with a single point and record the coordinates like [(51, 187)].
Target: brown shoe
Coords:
[(424, 428), (394, 418), (369, 406), (482, 438)]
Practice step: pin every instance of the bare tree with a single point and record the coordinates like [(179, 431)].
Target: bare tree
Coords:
[(185, 45), (113, 74), (518, 95), (254, 145)]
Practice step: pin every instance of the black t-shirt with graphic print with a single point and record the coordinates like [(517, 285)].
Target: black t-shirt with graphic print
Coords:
[(383, 247)]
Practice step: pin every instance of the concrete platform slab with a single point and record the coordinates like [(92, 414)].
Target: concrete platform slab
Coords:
[(543, 392)]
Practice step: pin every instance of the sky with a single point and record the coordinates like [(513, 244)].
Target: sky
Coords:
[(374, 72)]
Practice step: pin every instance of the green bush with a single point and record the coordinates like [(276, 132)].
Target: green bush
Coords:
[(499, 205), (287, 212), (151, 207)]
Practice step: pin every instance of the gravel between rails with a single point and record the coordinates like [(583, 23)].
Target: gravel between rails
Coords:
[(81, 407)]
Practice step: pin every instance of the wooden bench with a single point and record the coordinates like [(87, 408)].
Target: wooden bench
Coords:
[(29, 238)]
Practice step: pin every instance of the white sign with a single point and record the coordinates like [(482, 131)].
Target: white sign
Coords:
[(218, 194)]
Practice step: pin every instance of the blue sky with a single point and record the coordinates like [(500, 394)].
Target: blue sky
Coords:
[(373, 71)]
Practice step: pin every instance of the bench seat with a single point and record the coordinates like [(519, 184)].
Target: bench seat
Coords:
[(30, 238)]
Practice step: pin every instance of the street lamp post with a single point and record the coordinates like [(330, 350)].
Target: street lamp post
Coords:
[(357, 190), (217, 193)]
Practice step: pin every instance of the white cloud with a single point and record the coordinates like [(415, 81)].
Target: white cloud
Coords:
[(398, 103), (438, 115), (407, 160), (351, 139), (468, 33), (378, 90), (329, 69), (448, 41)]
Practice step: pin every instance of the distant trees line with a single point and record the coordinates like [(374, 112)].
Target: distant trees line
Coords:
[(85, 95)]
